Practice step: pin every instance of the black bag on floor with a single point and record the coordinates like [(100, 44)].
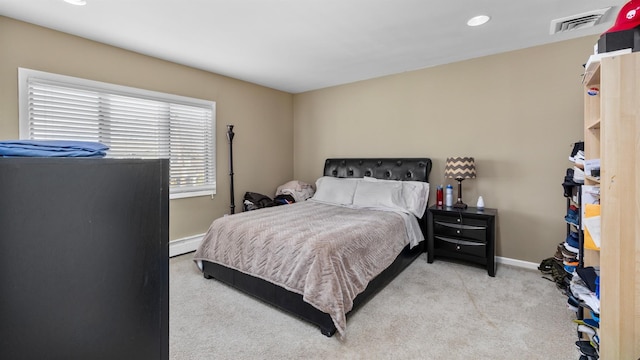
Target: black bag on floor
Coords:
[(253, 201), (553, 270)]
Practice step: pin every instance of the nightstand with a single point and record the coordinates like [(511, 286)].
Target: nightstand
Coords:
[(466, 234)]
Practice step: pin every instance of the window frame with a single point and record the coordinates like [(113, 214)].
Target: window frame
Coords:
[(175, 192)]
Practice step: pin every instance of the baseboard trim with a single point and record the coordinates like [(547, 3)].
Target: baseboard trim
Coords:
[(517, 263), (184, 245), (191, 243)]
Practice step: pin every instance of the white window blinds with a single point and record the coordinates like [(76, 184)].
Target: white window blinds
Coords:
[(134, 123)]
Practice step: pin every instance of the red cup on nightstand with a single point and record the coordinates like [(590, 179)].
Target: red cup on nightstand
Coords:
[(439, 196)]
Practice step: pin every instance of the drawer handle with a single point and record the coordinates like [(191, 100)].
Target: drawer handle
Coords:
[(461, 226), (458, 231), (460, 242), (457, 247)]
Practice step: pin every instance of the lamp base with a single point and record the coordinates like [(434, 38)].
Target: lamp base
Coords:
[(460, 205)]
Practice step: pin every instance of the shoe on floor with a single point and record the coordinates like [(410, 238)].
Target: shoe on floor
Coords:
[(571, 251), (586, 330), (586, 348), (573, 213), (558, 255), (568, 183), (577, 147), (572, 239), (578, 160), (578, 175)]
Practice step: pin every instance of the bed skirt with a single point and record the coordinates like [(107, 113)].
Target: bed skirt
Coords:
[(292, 302)]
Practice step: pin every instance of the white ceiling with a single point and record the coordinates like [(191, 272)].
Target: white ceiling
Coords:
[(301, 45)]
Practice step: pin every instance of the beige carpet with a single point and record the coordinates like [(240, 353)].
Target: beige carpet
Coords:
[(444, 310)]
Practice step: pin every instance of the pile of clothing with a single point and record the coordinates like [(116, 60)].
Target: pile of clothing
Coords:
[(289, 193), (298, 190)]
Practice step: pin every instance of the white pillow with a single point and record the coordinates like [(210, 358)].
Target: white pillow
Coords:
[(335, 190), (376, 194), (415, 195)]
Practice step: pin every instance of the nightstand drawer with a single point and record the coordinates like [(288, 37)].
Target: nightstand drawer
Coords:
[(459, 219), (460, 246), (465, 234), (473, 232)]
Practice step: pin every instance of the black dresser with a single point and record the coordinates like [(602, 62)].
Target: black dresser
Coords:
[(466, 234), (84, 261)]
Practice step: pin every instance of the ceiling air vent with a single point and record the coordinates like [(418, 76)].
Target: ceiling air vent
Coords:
[(578, 21)]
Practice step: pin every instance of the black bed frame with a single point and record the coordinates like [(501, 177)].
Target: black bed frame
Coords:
[(414, 169)]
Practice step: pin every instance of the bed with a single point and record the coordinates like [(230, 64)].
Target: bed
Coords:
[(321, 259)]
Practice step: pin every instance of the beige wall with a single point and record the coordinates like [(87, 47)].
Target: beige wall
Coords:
[(263, 146), (517, 113)]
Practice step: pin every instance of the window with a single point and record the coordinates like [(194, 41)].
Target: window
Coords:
[(134, 123)]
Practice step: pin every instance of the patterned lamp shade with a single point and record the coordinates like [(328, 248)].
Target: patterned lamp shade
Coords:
[(460, 168)]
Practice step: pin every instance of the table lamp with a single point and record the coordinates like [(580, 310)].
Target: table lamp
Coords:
[(460, 168)]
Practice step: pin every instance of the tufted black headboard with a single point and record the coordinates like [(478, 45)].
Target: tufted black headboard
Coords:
[(414, 169)]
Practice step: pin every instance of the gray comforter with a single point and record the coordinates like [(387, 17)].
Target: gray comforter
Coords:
[(324, 252)]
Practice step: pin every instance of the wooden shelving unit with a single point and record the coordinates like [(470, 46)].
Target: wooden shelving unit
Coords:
[(612, 134), (592, 123)]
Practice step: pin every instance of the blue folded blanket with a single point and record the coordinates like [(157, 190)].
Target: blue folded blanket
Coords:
[(52, 148)]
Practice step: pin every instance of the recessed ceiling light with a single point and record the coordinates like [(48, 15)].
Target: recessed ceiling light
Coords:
[(478, 20), (76, 2)]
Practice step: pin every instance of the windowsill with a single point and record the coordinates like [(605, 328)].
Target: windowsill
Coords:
[(182, 195)]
